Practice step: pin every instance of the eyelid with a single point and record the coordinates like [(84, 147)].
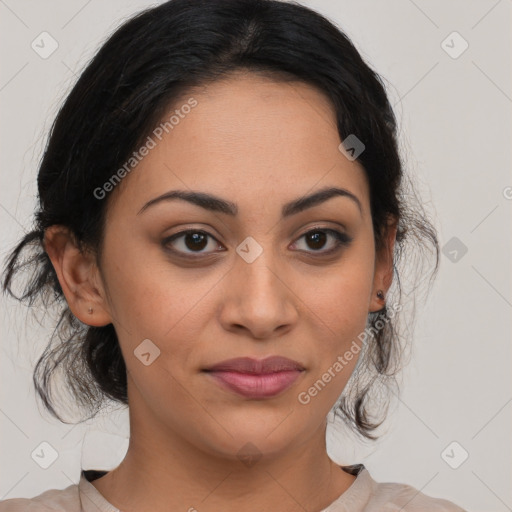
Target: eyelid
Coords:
[(342, 239), (180, 234)]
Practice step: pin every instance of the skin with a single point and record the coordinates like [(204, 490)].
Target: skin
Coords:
[(260, 144)]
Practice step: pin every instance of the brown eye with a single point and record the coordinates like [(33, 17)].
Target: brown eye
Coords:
[(317, 239), (196, 241), (190, 241)]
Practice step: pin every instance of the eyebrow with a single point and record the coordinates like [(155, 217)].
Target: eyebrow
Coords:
[(217, 204)]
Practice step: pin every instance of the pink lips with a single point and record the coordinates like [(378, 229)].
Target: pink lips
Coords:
[(256, 378)]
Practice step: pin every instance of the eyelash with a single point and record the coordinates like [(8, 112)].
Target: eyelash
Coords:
[(341, 240)]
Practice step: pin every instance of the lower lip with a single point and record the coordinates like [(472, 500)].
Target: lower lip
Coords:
[(256, 385)]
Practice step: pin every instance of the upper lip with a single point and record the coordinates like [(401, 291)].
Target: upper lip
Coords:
[(270, 364)]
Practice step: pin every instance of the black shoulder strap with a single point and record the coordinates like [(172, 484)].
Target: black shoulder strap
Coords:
[(93, 474), (354, 469)]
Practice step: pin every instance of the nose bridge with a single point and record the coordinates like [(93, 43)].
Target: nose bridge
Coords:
[(258, 267), (257, 299)]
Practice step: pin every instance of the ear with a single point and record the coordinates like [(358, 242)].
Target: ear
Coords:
[(383, 273), (78, 276)]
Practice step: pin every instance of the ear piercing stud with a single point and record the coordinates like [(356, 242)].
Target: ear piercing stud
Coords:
[(380, 294), (90, 310)]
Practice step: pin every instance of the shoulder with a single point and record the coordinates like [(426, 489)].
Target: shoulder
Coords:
[(395, 497), (53, 500)]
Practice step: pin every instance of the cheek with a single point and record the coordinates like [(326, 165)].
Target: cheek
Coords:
[(340, 318), (338, 312), (153, 299), (340, 297)]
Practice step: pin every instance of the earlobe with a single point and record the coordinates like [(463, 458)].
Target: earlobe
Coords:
[(78, 277), (378, 301)]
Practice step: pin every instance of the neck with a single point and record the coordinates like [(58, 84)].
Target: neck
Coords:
[(164, 470)]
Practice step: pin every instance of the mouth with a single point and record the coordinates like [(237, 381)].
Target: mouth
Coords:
[(256, 379)]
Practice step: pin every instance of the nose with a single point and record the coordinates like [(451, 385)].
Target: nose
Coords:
[(258, 299)]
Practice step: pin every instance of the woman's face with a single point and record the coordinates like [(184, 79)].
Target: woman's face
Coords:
[(251, 282)]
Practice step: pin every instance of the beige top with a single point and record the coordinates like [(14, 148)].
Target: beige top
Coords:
[(364, 495)]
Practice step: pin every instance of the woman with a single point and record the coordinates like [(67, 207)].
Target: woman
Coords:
[(222, 213)]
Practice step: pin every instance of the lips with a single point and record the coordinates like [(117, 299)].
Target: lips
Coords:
[(271, 364), (256, 379)]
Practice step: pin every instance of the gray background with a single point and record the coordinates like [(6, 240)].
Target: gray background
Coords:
[(454, 116)]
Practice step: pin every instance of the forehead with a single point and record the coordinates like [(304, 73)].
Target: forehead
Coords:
[(247, 137)]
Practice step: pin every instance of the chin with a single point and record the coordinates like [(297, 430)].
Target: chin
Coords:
[(246, 435)]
